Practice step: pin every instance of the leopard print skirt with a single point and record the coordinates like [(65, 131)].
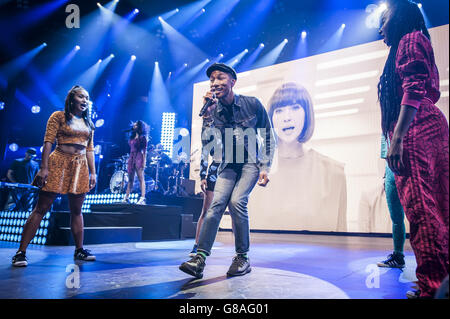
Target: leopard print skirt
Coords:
[(67, 173)]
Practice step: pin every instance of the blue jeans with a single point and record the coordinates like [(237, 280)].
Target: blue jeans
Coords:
[(233, 187), (395, 209)]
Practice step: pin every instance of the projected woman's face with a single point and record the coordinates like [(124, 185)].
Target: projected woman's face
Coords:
[(288, 122)]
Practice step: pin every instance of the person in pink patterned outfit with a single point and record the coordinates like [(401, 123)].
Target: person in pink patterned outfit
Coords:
[(419, 150), (136, 163)]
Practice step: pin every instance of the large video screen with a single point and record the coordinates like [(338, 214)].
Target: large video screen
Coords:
[(332, 180)]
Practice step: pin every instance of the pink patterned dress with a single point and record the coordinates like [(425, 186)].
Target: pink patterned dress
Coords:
[(137, 148), (424, 185)]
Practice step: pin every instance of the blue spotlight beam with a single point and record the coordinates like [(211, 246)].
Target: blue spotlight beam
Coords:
[(152, 23), (88, 78), (123, 22), (29, 18), (111, 6), (13, 67), (217, 12), (184, 17), (179, 71), (259, 12), (272, 56), (57, 69), (237, 58), (95, 34), (182, 50), (123, 79), (217, 58), (119, 89), (159, 98), (334, 41), (247, 64), (22, 98), (301, 50), (167, 15), (136, 39), (40, 82), (189, 76), (192, 19)]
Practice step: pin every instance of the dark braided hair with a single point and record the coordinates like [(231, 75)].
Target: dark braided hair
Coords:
[(405, 18)]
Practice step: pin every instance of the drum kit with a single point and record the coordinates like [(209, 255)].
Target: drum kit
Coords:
[(161, 174)]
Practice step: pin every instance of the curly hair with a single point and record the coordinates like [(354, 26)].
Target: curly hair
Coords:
[(406, 18), (142, 129)]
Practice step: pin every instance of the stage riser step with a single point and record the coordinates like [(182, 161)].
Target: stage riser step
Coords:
[(98, 235), (188, 226), (168, 205), (135, 209), (109, 219)]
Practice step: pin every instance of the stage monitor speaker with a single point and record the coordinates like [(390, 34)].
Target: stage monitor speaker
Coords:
[(189, 186)]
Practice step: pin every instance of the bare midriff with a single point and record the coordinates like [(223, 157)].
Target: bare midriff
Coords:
[(73, 149)]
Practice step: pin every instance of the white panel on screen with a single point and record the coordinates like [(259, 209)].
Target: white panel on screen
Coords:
[(334, 182)]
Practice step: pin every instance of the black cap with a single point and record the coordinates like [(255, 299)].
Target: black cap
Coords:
[(221, 67), (31, 151)]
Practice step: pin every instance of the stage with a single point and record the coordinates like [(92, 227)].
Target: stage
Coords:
[(284, 266)]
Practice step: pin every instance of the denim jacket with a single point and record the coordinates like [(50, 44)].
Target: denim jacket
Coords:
[(249, 118)]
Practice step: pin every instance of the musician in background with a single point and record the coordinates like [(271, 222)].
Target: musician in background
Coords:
[(138, 154), (22, 171)]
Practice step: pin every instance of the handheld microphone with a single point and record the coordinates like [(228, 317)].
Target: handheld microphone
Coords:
[(208, 103)]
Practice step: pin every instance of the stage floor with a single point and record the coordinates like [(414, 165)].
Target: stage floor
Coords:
[(288, 266)]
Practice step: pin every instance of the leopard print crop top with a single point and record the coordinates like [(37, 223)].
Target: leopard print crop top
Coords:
[(75, 133)]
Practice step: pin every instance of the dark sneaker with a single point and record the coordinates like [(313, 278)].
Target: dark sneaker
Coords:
[(83, 254), (413, 294), (394, 260), (194, 267), (19, 259), (193, 251), (239, 267)]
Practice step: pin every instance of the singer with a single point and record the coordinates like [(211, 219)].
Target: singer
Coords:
[(136, 163), (238, 172), (64, 171)]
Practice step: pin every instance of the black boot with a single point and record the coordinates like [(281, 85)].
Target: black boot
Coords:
[(394, 260), (239, 267), (194, 267)]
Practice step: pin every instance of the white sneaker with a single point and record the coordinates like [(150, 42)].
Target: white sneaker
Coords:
[(141, 201)]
